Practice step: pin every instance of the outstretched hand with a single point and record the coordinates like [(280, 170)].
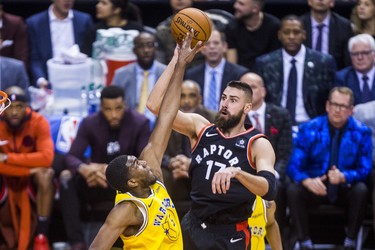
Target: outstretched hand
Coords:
[(185, 52)]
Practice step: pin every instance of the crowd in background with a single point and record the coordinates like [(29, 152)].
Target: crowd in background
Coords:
[(313, 78)]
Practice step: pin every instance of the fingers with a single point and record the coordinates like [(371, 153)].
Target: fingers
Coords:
[(221, 182)]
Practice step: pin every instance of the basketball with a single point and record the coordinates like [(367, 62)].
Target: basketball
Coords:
[(187, 19)]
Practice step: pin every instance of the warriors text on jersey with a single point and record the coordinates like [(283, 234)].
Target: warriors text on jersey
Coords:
[(161, 226), (212, 152), (257, 224)]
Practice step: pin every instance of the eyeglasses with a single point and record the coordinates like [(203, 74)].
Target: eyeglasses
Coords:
[(339, 106), (361, 53)]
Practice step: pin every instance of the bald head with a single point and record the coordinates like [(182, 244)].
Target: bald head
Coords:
[(190, 96), (257, 85)]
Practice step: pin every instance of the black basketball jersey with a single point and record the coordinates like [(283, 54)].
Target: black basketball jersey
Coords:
[(212, 152)]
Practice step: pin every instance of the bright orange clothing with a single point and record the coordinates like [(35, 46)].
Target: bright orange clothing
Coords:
[(28, 147)]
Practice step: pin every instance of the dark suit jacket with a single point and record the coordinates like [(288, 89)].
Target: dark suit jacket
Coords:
[(13, 73), (340, 30), (278, 129), (347, 77), (231, 72), (40, 44), (318, 79), (14, 29)]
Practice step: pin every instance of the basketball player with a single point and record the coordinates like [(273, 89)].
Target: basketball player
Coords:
[(262, 224), (144, 215), (231, 164)]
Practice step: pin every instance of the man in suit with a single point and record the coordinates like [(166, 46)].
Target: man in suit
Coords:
[(13, 34), (137, 79), (275, 123), (52, 31), (216, 71), (360, 77), (177, 157), (296, 77), (330, 163), (13, 73), (327, 31), (252, 33)]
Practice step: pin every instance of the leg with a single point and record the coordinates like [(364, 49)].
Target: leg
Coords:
[(44, 197), (357, 204), (70, 207), (297, 199)]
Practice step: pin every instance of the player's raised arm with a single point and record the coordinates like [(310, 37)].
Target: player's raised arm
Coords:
[(154, 151)]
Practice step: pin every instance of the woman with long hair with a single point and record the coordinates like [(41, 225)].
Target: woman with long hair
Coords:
[(363, 17)]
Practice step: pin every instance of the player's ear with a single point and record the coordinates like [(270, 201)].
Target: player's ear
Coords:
[(132, 183)]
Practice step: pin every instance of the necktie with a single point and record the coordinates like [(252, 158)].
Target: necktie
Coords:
[(366, 93), (212, 101), (257, 123), (144, 93), (331, 188), (292, 90), (318, 46)]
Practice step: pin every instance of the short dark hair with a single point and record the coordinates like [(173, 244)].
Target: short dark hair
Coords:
[(292, 17), (117, 172), (111, 92), (242, 86)]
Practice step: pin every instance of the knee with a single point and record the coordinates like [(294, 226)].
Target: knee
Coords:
[(43, 179)]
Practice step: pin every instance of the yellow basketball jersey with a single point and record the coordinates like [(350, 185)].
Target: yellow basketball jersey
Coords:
[(161, 227), (257, 224)]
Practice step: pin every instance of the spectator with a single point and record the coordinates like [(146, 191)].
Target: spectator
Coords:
[(50, 32), (297, 77), (137, 79), (216, 71), (252, 34), (113, 131), (222, 193), (26, 157), (360, 77), (363, 17), (365, 113), (330, 163), (13, 37), (177, 157), (13, 73), (111, 14), (164, 36), (275, 123), (327, 31)]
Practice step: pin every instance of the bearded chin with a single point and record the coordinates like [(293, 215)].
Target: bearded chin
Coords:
[(226, 124)]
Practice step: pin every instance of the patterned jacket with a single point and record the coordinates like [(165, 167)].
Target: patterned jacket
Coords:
[(318, 79), (311, 153)]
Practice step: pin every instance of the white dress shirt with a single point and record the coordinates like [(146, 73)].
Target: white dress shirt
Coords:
[(325, 34), (219, 71), (261, 111), (301, 114)]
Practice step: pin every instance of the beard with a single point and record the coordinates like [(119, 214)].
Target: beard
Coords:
[(226, 124)]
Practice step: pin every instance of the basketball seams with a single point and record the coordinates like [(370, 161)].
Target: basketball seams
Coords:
[(193, 15)]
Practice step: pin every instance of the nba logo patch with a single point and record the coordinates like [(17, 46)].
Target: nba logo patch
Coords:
[(67, 132), (241, 143)]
